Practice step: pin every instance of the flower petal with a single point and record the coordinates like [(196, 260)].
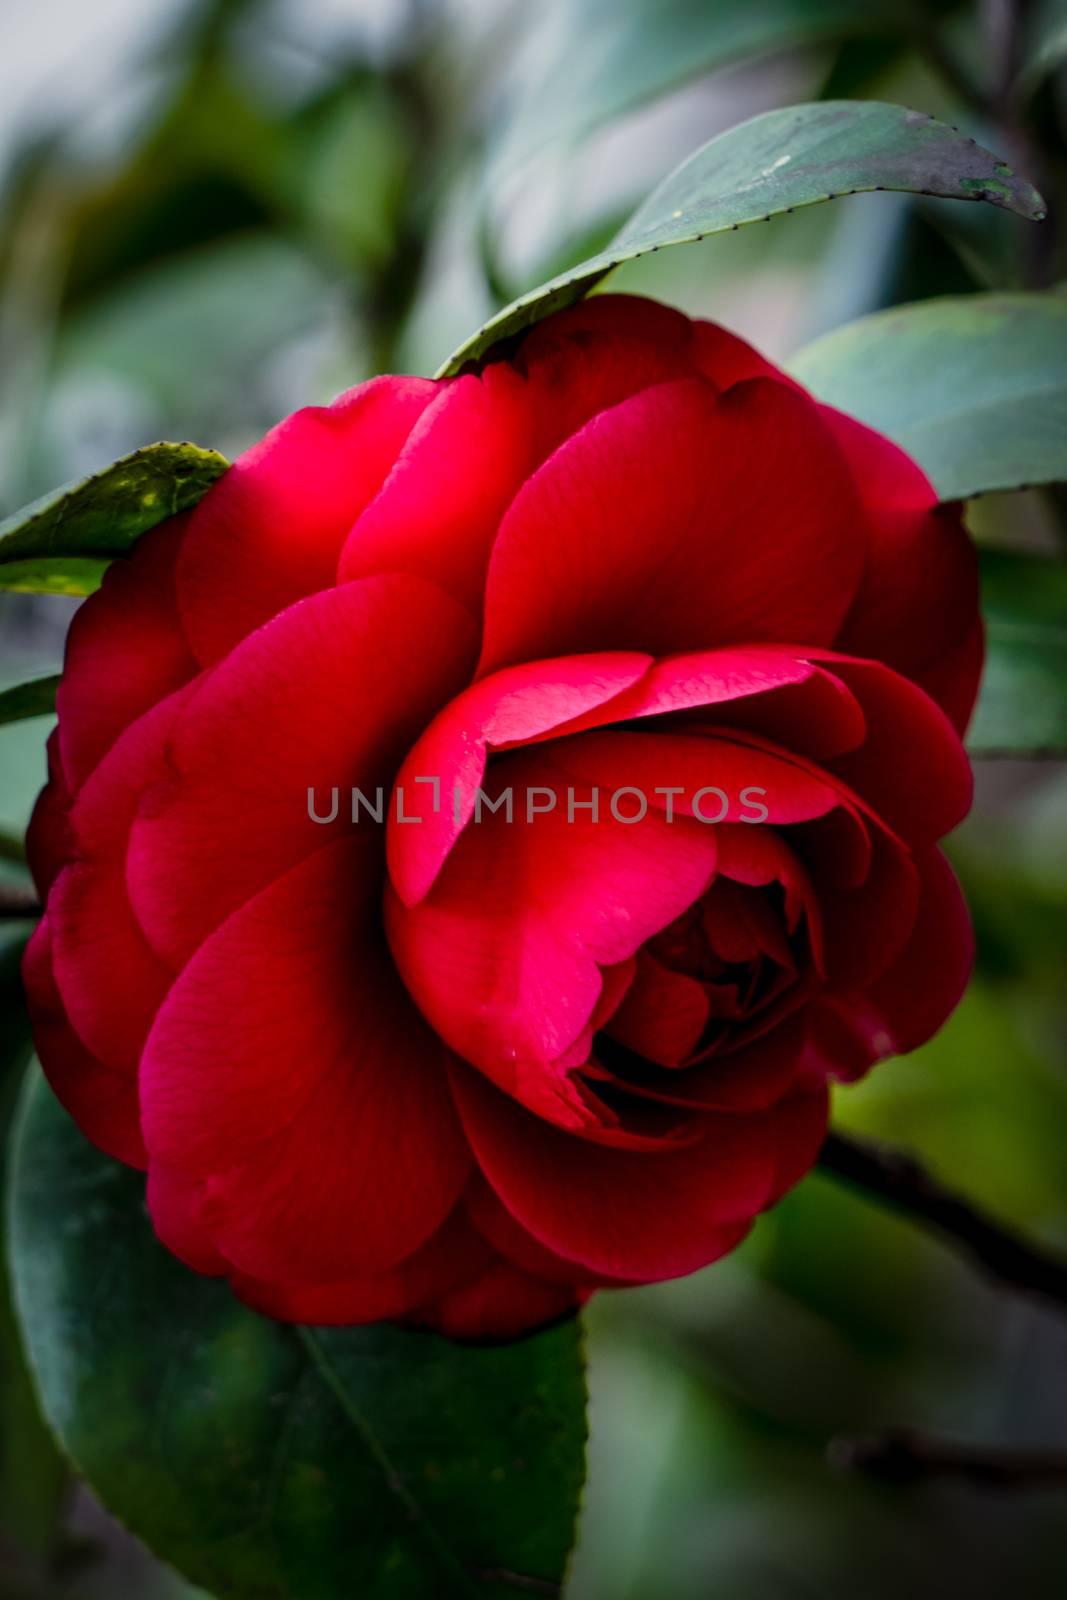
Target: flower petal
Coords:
[(657, 527), (126, 650), (271, 529), (325, 697), (619, 1213), (288, 1069)]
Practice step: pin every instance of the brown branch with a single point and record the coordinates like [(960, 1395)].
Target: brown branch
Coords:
[(904, 1456), (18, 902), (897, 1180)]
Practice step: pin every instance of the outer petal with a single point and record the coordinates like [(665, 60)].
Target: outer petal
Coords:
[(328, 695), (48, 842), (656, 526), (500, 1303), (102, 1102), (439, 509), (126, 650), (174, 1200), (270, 530), (617, 1213), (911, 768), (111, 980), (918, 598), (289, 1070), (914, 996), (455, 1256)]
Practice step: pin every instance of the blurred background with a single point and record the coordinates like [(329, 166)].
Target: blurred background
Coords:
[(213, 212)]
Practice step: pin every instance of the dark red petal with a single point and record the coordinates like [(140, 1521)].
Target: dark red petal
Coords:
[(48, 841), (500, 1303), (102, 1102), (455, 1255), (800, 1126), (954, 678), (663, 1014), (909, 1002), (288, 1068), (111, 980), (911, 768), (174, 1202), (918, 597), (126, 650), (271, 529), (326, 696), (925, 983), (676, 521), (619, 1213)]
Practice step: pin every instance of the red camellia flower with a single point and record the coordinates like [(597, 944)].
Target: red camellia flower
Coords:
[(654, 671)]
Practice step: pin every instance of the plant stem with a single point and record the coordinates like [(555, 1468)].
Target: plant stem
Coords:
[(905, 1455), (18, 903), (897, 1180)]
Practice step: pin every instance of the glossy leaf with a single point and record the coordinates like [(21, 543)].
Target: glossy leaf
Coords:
[(1022, 708), (276, 1462), (776, 162), (57, 544), (974, 387), (33, 1477), (36, 698)]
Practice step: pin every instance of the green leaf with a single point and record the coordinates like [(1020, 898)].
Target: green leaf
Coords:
[(72, 575), (71, 531), (33, 1476), (1022, 707), (974, 387), (776, 162), (279, 1463), (589, 69), (37, 698)]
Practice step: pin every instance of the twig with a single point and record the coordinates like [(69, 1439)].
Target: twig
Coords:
[(904, 1455), (18, 902), (901, 1182)]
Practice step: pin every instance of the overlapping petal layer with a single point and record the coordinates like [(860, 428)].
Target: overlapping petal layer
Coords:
[(654, 671)]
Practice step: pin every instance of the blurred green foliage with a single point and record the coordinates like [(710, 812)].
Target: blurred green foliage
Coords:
[(267, 201)]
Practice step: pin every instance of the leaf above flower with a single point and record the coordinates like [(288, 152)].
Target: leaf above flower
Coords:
[(795, 156), (973, 386), (59, 544)]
